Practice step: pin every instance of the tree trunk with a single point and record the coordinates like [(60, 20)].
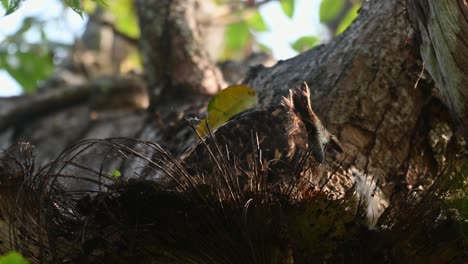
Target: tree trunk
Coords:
[(442, 30), (364, 87), (368, 87), (174, 53)]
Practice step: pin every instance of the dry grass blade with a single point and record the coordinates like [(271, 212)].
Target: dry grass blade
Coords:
[(158, 210)]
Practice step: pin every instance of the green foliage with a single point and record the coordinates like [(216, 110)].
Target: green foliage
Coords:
[(89, 6), (237, 37), (28, 22), (26, 62), (76, 6), (116, 174), (123, 12), (11, 6), (304, 43), (100, 2), (288, 7), (330, 9), (29, 63), (28, 67), (125, 17), (348, 19), (264, 47), (13, 257), (257, 23)]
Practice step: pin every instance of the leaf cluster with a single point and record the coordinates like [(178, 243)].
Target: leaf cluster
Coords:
[(26, 62)]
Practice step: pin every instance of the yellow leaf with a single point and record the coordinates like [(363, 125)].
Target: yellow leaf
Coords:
[(132, 62), (226, 104), (125, 17)]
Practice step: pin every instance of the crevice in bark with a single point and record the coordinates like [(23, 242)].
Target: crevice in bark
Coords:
[(373, 141), (416, 132)]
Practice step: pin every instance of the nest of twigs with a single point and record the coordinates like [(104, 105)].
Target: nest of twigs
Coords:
[(123, 201)]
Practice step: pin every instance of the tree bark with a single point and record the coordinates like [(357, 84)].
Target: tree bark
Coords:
[(364, 87), (368, 87), (442, 31), (174, 54)]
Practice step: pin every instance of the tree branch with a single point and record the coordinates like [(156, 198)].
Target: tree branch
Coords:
[(17, 111), (174, 55)]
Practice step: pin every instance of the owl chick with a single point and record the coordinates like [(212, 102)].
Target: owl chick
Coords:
[(275, 134)]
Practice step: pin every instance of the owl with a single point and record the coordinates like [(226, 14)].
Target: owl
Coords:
[(274, 138)]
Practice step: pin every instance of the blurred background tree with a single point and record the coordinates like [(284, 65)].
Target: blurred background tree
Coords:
[(30, 53), (72, 45)]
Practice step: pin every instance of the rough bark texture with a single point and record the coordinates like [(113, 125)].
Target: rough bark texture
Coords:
[(53, 119), (174, 54), (443, 36), (367, 88), (364, 87)]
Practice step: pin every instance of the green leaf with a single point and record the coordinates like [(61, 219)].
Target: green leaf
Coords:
[(330, 9), (116, 174), (13, 257), (304, 43), (264, 47), (5, 4), (226, 104), (257, 23), (237, 36), (76, 6), (27, 24), (288, 7), (12, 6), (28, 68), (348, 19), (125, 17), (100, 2), (90, 6)]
